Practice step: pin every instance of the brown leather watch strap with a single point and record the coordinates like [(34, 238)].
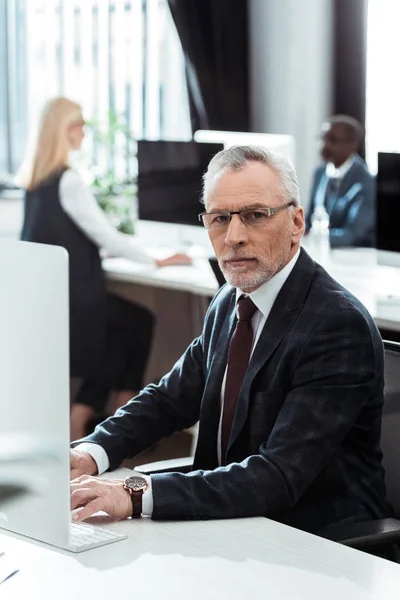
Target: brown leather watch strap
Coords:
[(136, 497)]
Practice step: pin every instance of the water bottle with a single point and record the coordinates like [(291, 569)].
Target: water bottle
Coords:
[(319, 235)]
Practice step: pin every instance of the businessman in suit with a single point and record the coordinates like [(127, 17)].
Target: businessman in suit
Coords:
[(286, 380), (344, 185)]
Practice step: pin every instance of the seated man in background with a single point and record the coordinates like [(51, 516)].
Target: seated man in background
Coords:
[(344, 186), (286, 380)]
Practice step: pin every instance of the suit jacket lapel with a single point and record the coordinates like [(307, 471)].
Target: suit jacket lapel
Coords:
[(346, 181), (206, 451), (345, 187), (321, 191), (285, 310)]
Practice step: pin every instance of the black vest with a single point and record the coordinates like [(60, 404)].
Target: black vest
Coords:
[(45, 222)]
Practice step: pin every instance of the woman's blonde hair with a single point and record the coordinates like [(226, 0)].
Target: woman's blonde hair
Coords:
[(50, 149)]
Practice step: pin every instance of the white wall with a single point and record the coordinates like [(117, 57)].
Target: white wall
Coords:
[(290, 74)]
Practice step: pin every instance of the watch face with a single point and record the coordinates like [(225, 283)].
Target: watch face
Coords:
[(136, 483)]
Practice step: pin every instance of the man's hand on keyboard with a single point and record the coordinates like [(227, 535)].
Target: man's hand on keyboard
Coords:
[(91, 495), (82, 464)]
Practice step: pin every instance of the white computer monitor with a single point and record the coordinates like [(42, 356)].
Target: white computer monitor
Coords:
[(34, 390), (281, 144), (34, 381)]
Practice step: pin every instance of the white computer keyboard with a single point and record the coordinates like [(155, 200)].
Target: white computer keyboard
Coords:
[(84, 536)]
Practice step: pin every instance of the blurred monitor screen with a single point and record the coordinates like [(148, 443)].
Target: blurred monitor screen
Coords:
[(388, 208), (169, 180)]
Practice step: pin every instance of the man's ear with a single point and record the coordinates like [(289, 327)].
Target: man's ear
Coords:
[(298, 226)]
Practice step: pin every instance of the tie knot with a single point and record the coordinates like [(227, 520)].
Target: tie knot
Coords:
[(246, 308)]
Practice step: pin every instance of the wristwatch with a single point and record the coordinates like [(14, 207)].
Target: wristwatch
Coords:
[(136, 485)]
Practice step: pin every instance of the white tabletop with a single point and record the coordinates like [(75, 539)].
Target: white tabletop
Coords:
[(242, 558), (163, 239), (376, 286)]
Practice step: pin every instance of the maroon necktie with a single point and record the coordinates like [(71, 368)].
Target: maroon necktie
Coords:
[(238, 359)]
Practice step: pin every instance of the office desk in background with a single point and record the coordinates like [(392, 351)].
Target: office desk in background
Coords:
[(223, 560), (180, 295)]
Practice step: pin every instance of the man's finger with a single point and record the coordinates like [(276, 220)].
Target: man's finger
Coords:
[(84, 476), (82, 496), (89, 510), (83, 485), (84, 480), (75, 474)]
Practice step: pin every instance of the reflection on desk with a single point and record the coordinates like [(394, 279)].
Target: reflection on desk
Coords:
[(256, 558)]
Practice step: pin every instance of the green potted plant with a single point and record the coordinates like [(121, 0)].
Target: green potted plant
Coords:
[(115, 185)]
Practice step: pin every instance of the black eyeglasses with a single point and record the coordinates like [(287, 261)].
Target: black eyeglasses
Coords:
[(252, 217)]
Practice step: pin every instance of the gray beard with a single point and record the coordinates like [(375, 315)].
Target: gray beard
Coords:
[(245, 281), (259, 276)]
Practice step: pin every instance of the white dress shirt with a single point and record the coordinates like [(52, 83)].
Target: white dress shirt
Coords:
[(264, 298), (339, 172), (81, 206)]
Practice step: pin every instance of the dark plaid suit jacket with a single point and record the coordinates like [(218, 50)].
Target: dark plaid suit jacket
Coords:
[(304, 447)]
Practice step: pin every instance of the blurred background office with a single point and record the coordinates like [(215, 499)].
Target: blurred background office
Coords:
[(343, 191), (162, 69), (110, 338), (150, 74)]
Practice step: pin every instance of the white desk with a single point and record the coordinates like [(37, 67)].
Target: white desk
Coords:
[(179, 296), (242, 558), (376, 286)]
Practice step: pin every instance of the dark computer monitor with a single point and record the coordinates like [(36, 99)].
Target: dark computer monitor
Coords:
[(388, 208), (169, 179)]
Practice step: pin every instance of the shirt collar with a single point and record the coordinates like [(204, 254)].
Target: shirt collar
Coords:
[(339, 172), (265, 296)]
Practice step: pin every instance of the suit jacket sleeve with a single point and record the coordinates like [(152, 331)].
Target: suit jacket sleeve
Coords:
[(359, 227), (157, 412), (333, 379)]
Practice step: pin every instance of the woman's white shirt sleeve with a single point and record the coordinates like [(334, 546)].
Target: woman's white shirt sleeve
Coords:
[(81, 206)]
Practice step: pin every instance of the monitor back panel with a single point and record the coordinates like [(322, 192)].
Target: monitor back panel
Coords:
[(34, 385)]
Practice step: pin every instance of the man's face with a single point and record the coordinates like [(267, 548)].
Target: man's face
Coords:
[(336, 145), (249, 256)]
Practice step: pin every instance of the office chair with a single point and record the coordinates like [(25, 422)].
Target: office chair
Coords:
[(381, 533), (367, 535)]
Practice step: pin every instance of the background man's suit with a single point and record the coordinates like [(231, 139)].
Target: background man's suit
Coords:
[(351, 207), (304, 447)]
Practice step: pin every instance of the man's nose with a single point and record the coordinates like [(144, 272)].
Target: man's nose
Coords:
[(237, 233)]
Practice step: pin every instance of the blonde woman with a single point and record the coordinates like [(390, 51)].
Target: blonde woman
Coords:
[(110, 338)]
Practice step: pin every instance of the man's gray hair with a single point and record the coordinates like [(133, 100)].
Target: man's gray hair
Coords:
[(237, 158)]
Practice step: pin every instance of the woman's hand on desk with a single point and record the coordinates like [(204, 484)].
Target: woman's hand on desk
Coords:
[(174, 260), (90, 495)]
